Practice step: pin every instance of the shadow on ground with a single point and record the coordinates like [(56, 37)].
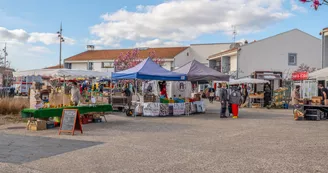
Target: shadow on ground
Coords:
[(21, 149)]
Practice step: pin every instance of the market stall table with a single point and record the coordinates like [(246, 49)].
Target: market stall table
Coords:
[(57, 112), (309, 109)]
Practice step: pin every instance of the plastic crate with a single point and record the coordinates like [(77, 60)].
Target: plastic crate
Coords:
[(50, 125), (313, 114), (97, 120), (84, 120)]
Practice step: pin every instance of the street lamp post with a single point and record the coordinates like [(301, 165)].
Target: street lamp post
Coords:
[(61, 39)]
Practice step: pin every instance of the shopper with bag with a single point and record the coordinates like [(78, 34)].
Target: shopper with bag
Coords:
[(235, 100)]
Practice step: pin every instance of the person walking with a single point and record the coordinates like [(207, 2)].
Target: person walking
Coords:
[(235, 100), (267, 95), (211, 94), (223, 100), (296, 98), (217, 92)]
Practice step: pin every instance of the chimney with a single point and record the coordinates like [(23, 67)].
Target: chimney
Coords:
[(90, 47), (324, 34)]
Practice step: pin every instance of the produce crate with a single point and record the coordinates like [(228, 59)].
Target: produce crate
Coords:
[(50, 125), (36, 125), (313, 114)]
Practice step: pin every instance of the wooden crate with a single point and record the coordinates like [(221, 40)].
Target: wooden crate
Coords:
[(36, 125)]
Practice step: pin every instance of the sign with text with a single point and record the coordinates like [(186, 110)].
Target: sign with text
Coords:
[(179, 108), (70, 121), (300, 76), (151, 109)]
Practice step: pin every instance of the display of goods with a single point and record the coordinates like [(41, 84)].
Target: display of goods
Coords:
[(256, 105), (84, 120), (162, 100), (164, 110), (149, 98), (197, 97), (298, 115)]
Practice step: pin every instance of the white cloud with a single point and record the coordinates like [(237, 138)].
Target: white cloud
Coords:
[(157, 43), (23, 53), (24, 56), (296, 7), (47, 38), (182, 20), (21, 35), (39, 49)]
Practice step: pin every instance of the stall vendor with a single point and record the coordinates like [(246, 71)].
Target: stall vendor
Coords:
[(163, 93), (296, 98), (324, 93), (75, 94)]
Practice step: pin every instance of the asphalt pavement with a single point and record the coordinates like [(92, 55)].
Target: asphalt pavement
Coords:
[(260, 140)]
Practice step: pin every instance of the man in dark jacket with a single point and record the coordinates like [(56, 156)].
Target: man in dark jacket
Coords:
[(223, 100)]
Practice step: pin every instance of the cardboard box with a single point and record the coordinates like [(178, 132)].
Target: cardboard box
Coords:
[(36, 125)]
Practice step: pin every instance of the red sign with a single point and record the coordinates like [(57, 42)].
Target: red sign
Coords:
[(300, 75)]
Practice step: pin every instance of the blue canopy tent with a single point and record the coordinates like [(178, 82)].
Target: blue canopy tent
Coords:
[(148, 70)]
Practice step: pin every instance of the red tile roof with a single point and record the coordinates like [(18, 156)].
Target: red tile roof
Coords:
[(222, 53), (165, 52), (54, 67)]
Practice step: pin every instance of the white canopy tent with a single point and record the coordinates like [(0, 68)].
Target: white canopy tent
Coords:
[(247, 81), (319, 74), (57, 73)]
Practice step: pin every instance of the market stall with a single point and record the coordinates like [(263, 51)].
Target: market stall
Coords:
[(48, 102), (311, 107), (150, 103), (256, 100), (199, 73)]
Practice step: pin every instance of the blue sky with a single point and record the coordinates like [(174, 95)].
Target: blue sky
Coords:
[(29, 27)]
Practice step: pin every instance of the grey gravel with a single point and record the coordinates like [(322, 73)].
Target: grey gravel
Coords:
[(259, 141)]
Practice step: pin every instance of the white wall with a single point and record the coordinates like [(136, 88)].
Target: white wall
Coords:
[(167, 65), (199, 52), (182, 58), (233, 63), (97, 66), (271, 54), (79, 66)]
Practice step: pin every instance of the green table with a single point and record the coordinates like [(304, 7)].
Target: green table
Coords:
[(57, 112)]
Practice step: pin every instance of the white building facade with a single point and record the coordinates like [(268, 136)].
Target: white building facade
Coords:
[(103, 60), (199, 52), (280, 53)]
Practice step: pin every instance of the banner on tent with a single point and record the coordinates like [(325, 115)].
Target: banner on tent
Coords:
[(151, 109), (179, 108)]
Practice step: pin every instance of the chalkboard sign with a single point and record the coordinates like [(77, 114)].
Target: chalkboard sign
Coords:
[(70, 121)]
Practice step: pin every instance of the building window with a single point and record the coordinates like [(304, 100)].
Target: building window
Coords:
[(187, 53), (68, 65), (107, 65), (90, 66), (292, 59)]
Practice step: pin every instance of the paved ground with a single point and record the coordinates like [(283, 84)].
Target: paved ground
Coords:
[(259, 141)]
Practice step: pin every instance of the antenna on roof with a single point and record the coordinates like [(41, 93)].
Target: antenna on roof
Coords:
[(234, 33)]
